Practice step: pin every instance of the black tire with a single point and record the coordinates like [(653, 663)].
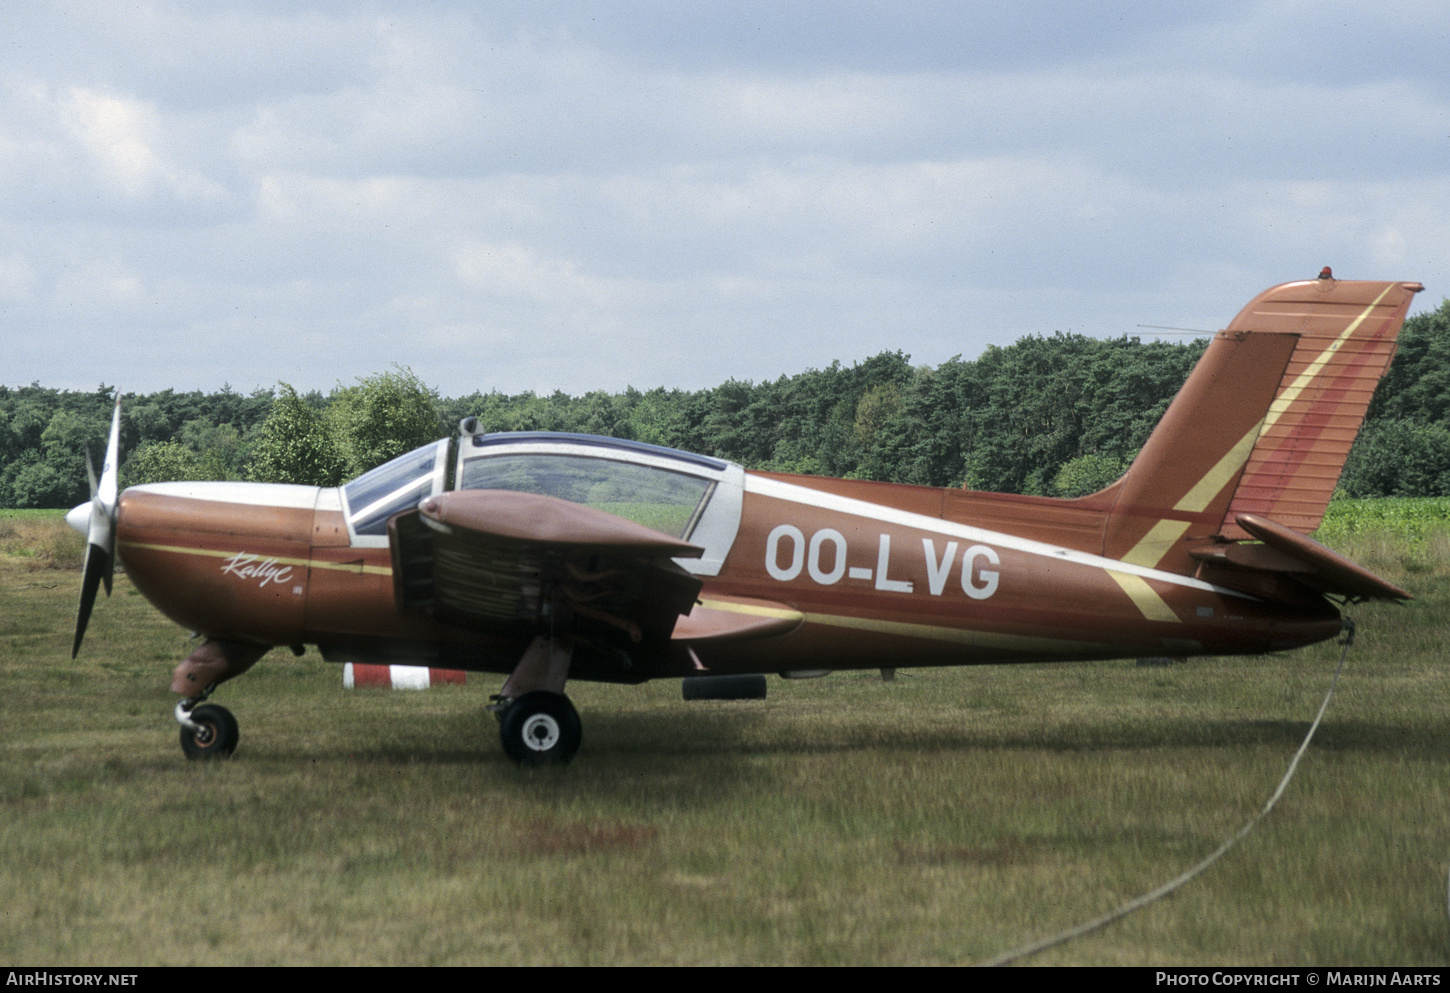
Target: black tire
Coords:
[(750, 687), (541, 728), (219, 735)]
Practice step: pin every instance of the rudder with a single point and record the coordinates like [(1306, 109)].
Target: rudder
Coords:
[(1321, 402)]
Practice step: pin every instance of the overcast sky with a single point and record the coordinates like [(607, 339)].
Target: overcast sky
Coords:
[(593, 195)]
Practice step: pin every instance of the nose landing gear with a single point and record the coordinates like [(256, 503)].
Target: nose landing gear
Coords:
[(210, 732), (207, 731)]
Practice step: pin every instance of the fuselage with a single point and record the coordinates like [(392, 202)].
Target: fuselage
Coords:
[(843, 575)]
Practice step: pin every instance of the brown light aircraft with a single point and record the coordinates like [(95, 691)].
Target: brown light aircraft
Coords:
[(546, 557)]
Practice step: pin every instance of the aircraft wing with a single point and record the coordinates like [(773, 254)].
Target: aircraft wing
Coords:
[(737, 618), (510, 562)]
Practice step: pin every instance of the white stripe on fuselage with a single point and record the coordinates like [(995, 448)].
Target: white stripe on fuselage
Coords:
[(284, 495), (795, 493)]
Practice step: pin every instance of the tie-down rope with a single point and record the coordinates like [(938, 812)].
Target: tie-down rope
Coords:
[(1173, 884)]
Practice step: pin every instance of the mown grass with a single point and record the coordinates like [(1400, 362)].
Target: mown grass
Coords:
[(40, 539), (944, 817)]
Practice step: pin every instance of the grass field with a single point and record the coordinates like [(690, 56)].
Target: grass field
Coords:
[(941, 818)]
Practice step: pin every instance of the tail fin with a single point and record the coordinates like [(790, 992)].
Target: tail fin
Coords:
[(1264, 423)]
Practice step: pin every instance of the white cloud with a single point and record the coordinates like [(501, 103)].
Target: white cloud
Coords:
[(584, 196), (17, 277), (513, 270), (111, 130)]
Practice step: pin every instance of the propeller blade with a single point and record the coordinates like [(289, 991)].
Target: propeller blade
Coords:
[(91, 473), (98, 566), (100, 561), (107, 489)]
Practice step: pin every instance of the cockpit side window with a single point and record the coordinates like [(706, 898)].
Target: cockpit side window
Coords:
[(658, 498)]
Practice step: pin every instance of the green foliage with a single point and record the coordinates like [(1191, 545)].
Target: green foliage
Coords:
[(875, 408), (150, 421), (1034, 406), (44, 437), (1398, 457), (1088, 474), (380, 418), (294, 446), (163, 462), (26, 422), (221, 448), (35, 482), (71, 431)]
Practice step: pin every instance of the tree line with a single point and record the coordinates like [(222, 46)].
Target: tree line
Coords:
[(1057, 415)]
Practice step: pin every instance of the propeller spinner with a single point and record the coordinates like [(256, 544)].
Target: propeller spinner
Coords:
[(99, 526)]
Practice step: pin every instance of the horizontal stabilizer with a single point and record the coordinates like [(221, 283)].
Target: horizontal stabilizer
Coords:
[(1286, 552)]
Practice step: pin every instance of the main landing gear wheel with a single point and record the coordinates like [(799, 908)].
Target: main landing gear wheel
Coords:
[(541, 728), (218, 736)]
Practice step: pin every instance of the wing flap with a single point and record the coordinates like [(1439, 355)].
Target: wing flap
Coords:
[(731, 618)]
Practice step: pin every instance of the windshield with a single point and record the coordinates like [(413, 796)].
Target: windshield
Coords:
[(394, 486)]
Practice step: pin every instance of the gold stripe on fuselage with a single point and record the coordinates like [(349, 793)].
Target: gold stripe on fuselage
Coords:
[(357, 567)]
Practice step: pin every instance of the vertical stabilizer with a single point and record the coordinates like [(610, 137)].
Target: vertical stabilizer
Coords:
[(1263, 424)]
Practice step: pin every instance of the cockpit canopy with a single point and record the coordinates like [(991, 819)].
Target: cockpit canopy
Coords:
[(687, 496)]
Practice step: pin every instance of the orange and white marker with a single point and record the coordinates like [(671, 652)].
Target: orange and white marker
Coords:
[(398, 677)]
